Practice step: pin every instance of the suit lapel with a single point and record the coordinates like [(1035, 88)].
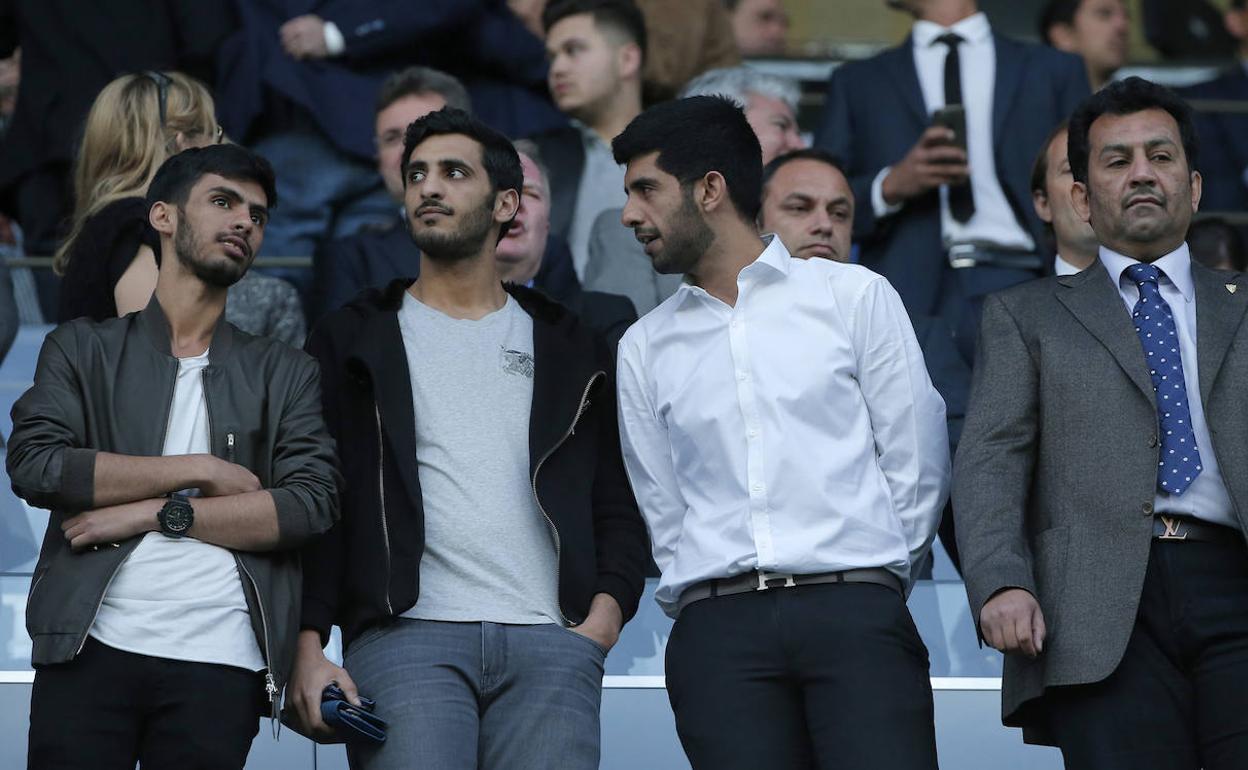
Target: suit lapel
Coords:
[(1010, 68), (1093, 299), (1219, 313), (899, 64)]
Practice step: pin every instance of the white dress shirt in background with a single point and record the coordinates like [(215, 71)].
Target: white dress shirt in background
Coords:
[(796, 431)]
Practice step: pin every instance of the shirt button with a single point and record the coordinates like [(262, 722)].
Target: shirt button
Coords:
[(742, 376), (758, 487), (1147, 508), (752, 434), (735, 324)]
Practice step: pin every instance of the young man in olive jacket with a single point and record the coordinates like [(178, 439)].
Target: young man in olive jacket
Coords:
[(183, 462), (490, 548)]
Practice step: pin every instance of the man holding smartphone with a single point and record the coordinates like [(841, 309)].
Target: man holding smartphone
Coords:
[(939, 143)]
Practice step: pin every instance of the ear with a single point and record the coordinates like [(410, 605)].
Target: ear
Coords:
[(506, 204), (1040, 202), (628, 60), (1079, 199), (163, 218), (1063, 37), (711, 192), (1197, 188)]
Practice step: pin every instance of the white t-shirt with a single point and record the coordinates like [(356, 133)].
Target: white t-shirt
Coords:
[(180, 598)]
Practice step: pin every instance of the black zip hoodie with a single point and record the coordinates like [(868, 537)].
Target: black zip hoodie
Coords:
[(366, 570)]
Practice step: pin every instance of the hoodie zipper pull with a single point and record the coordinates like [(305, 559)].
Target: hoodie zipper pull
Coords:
[(270, 686), (229, 446)]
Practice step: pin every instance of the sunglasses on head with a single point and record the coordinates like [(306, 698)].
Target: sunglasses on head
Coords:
[(163, 82)]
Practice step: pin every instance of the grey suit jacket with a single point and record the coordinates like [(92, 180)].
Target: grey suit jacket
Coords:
[(618, 265), (1054, 479)]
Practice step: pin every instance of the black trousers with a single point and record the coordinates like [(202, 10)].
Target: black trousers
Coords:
[(821, 676), (108, 709), (1179, 698)]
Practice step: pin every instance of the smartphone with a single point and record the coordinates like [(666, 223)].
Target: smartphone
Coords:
[(952, 117)]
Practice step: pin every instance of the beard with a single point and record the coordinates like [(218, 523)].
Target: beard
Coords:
[(464, 243), (222, 273), (688, 238)]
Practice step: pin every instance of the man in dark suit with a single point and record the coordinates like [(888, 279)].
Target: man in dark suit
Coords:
[(297, 80), (1099, 485), (947, 226), (1223, 134)]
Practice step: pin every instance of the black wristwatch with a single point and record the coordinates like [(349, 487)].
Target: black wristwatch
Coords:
[(176, 516)]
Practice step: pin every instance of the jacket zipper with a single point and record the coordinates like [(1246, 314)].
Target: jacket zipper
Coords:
[(381, 491), (270, 684), (580, 410), (168, 410)]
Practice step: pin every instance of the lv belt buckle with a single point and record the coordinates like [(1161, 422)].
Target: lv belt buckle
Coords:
[(1174, 529), (765, 577)]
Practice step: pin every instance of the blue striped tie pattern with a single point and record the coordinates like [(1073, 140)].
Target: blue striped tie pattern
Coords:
[(1154, 324)]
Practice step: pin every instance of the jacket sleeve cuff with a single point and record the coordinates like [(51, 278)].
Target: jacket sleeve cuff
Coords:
[(624, 594), (317, 615), (292, 519), (78, 478)]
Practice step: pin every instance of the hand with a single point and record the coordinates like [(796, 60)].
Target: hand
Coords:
[(312, 671), (303, 37), (604, 621), (530, 13), (931, 162), (111, 525), (220, 478), (1011, 621)]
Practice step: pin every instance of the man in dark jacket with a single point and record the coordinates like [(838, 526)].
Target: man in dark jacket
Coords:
[(489, 525), (183, 462)]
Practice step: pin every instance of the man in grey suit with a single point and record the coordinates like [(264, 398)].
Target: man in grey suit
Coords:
[(1099, 485)]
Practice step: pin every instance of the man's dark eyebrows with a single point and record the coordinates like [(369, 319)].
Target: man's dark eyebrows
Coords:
[(236, 197), (640, 182)]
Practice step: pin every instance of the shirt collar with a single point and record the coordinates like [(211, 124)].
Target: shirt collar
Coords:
[(1062, 267), (1175, 266), (775, 257), (974, 29), (589, 137)]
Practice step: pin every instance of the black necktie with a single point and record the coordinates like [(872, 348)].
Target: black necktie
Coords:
[(961, 202)]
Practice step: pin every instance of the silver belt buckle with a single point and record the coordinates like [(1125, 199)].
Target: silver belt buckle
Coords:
[(962, 255), (764, 576)]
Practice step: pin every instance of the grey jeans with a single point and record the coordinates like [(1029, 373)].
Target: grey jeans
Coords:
[(462, 696)]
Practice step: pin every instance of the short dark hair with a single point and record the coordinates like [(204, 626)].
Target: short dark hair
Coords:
[(177, 175), (1209, 238), (1126, 97), (1057, 12), (808, 153), (416, 81), (498, 156), (695, 136), (1040, 168), (620, 16)]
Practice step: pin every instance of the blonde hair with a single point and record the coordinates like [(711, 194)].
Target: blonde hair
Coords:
[(124, 142)]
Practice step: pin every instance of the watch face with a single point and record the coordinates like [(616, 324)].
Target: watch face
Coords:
[(178, 516)]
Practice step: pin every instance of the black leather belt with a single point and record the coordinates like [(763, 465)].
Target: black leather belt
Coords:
[(763, 580), (965, 255), (1177, 529)]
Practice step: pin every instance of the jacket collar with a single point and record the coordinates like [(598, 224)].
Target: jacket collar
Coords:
[(155, 325)]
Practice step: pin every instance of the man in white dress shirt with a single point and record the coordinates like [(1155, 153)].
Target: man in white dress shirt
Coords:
[(1051, 185), (789, 454)]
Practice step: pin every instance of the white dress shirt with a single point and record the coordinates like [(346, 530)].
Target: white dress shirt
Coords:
[(1206, 498), (796, 431), (1062, 267), (994, 222)]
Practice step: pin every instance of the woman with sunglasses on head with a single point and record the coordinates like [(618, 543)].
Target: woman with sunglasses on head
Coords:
[(107, 263)]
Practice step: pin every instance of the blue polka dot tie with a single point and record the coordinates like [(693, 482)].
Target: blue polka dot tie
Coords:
[(1154, 323)]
